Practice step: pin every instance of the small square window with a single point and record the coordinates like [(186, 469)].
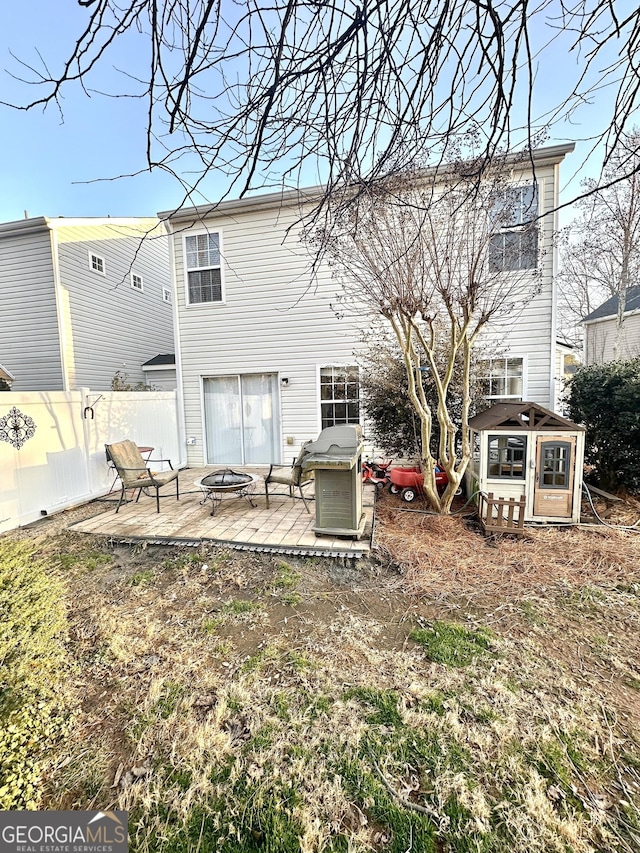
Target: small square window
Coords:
[(136, 282), (507, 457), (166, 295), (503, 378), (96, 263)]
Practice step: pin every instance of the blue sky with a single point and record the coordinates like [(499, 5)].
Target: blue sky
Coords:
[(68, 167)]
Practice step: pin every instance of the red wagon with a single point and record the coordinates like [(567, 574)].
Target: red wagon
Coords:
[(407, 481)]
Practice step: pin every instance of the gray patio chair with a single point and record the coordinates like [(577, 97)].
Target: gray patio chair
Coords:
[(134, 472), (294, 477)]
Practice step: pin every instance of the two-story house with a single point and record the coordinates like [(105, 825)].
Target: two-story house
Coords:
[(263, 360), (82, 300)]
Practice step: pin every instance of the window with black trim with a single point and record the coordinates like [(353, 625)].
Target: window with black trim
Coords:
[(554, 465), (204, 269), (507, 456), (96, 263), (339, 395), (515, 247)]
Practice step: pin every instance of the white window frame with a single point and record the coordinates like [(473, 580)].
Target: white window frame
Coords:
[(505, 377), (134, 276), (516, 228), (337, 366), (188, 269), (101, 260), (166, 295)]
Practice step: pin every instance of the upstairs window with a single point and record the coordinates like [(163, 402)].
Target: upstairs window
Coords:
[(504, 379), (515, 206), (96, 263), (339, 395), (166, 295), (204, 270), (136, 282), (515, 246)]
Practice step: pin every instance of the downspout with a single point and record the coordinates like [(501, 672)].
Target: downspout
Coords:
[(182, 429), (554, 290)]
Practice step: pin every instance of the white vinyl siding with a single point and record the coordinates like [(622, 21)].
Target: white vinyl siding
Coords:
[(529, 330), (275, 319), (600, 337), (114, 327), (29, 339)]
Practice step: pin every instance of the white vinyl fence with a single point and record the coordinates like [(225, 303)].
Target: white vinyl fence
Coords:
[(52, 452)]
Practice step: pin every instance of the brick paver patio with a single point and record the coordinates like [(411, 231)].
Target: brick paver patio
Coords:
[(286, 526)]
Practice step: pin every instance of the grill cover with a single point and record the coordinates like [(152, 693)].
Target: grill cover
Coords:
[(335, 447)]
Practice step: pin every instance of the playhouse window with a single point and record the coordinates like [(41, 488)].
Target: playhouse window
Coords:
[(507, 455), (555, 465)]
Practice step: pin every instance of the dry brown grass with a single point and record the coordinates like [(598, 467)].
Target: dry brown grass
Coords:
[(224, 713), (443, 556)]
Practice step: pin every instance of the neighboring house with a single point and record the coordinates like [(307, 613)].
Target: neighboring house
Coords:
[(160, 372), (600, 330), (263, 361), (83, 299)]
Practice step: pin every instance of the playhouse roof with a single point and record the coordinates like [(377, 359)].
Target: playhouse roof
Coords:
[(522, 416)]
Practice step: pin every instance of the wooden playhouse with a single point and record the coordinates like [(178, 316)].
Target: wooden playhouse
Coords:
[(530, 460)]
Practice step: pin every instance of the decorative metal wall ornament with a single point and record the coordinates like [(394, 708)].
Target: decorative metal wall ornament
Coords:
[(16, 428)]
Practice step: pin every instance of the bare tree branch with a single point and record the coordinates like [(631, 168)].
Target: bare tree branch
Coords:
[(259, 90)]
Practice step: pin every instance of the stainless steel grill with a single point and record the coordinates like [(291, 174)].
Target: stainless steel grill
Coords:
[(336, 460)]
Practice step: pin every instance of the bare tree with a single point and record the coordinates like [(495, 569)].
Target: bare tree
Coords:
[(601, 256), (355, 90), (440, 260)]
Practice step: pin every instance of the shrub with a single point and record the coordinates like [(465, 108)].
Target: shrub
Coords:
[(32, 660), (605, 398), (392, 421)]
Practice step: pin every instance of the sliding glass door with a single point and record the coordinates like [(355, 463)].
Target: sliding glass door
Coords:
[(241, 419)]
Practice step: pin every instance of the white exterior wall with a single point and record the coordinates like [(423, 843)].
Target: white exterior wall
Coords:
[(29, 340), (600, 337), (161, 380), (275, 319), (110, 326), (530, 330)]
